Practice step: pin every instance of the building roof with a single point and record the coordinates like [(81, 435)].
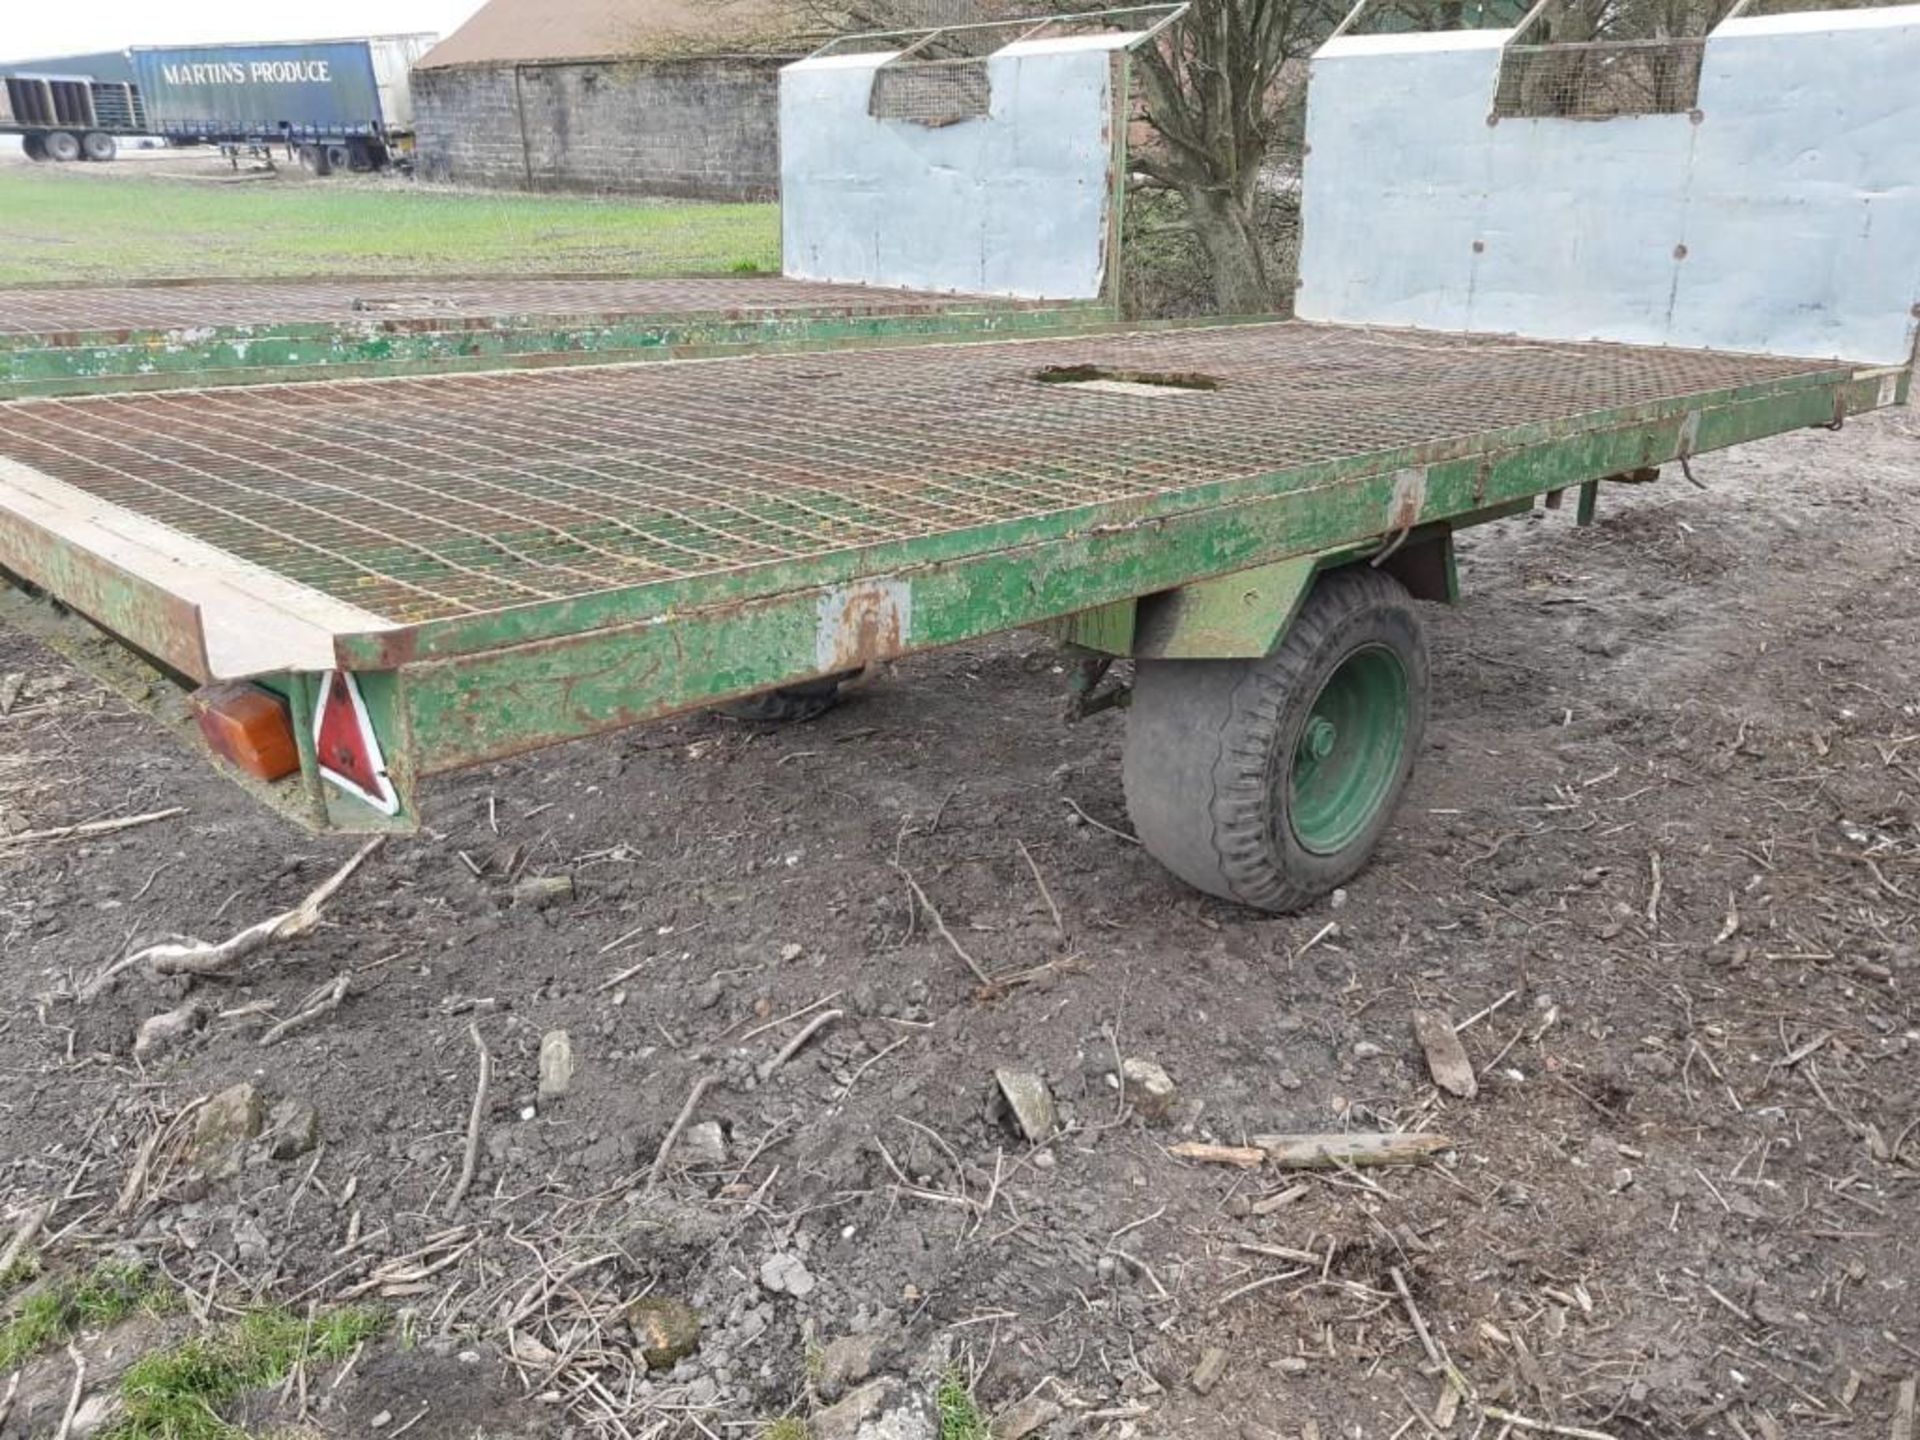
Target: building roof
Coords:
[(509, 30)]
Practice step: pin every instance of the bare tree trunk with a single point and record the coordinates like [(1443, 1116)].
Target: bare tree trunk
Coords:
[(1223, 224)]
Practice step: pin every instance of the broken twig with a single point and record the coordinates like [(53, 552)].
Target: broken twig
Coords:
[(476, 1121), (197, 957), (1306, 1152), (680, 1123)]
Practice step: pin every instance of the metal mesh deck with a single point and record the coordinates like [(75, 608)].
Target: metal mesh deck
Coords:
[(119, 309), (419, 499)]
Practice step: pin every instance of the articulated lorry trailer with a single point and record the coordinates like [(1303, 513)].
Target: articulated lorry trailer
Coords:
[(335, 104), (332, 104)]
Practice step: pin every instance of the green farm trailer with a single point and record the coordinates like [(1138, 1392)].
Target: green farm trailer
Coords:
[(430, 573), (373, 565)]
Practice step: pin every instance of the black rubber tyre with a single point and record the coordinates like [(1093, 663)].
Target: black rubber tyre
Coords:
[(791, 704), (339, 157), (34, 146), (98, 146), (313, 160), (1212, 747), (62, 145)]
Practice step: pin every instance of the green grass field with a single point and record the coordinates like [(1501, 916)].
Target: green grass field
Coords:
[(57, 225)]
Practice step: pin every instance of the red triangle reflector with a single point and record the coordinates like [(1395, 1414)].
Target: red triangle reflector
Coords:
[(345, 746)]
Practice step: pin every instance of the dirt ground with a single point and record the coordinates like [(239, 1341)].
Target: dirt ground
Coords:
[(1661, 853)]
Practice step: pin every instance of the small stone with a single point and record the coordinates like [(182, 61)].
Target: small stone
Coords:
[(1337, 900), (1206, 1374), (556, 1064), (702, 1144), (1289, 1079), (790, 952), (1029, 1102), (1149, 1089), (227, 1122), (1024, 1418), (1622, 1178), (1043, 1160), (293, 1129), (846, 1362), (785, 1273), (1366, 1050), (1447, 1058), (883, 1409), (1291, 1365), (168, 1030), (381, 1421), (667, 1330), (537, 892)]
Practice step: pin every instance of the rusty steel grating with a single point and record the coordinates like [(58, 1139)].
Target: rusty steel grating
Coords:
[(420, 499), (63, 310)]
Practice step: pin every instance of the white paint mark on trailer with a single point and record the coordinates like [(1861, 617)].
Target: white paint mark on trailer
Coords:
[(1783, 219)]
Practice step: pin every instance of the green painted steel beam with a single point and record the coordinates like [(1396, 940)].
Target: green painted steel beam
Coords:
[(232, 355), (1232, 524), (591, 664)]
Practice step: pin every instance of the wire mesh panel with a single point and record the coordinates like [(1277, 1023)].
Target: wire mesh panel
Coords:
[(931, 92), (420, 499), (1599, 79)]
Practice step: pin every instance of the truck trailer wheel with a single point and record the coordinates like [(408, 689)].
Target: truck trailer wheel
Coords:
[(339, 157), (97, 146), (1270, 781), (35, 146), (313, 160), (62, 145)]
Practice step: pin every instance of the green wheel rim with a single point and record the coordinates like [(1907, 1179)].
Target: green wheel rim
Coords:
[(1349, 751)]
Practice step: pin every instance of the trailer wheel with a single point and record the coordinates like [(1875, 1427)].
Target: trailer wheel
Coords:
[(791, 704), (35, 146), (97, 146), (313, 160), (62, 145), (339, 157), (1270, 781)]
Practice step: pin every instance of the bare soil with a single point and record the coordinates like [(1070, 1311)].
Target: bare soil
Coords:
[(1663, 846)]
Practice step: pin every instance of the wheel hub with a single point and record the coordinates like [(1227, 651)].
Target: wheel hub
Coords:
[(1317, 743), (1350, 749)]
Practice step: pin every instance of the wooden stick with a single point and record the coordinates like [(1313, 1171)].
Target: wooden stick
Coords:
[(197, 957), (91, 827), (1247, 1157), (1045, 894), (1903, 1409), (327, 1003), (680, 1123), (1544, 1427), (1306, 1152), (476, 1121), (79, 1389), (813, 1027), (6, 1400), (24, 1235), (940, 926)]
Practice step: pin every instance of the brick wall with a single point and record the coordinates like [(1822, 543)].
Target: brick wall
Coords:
[(703, 129)]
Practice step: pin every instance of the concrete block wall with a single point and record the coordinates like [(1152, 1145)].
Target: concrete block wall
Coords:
[(697, 129)]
